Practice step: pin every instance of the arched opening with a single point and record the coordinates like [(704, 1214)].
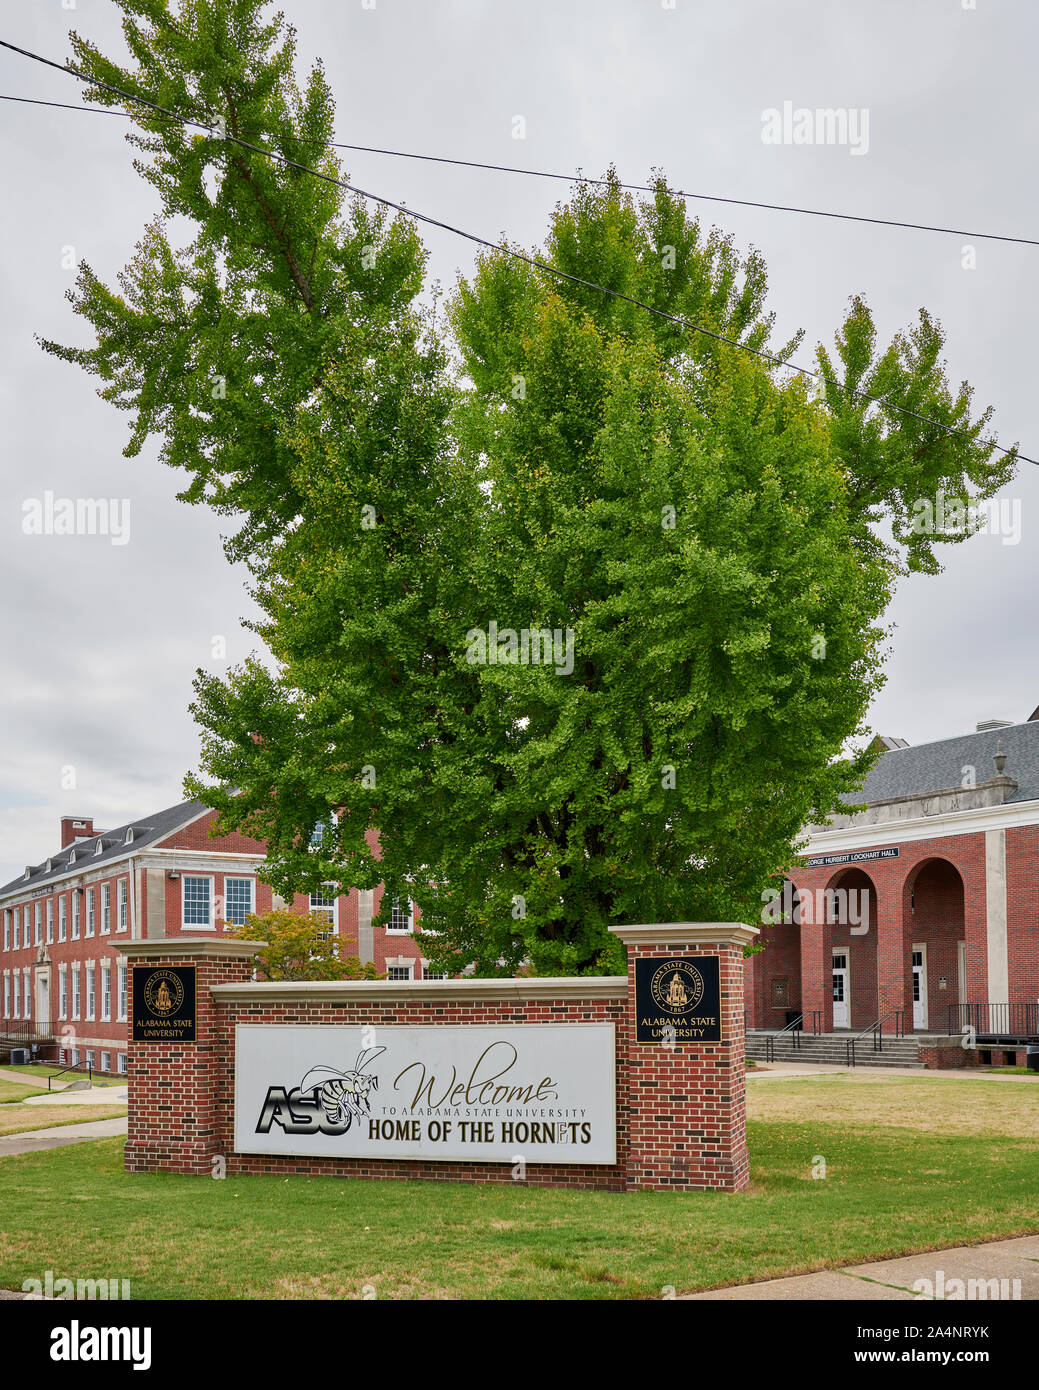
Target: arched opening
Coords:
[(777, 967), (851, 927), (934, 942)]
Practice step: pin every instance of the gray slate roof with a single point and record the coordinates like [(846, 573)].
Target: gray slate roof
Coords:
[(931, 767), (146, 831)]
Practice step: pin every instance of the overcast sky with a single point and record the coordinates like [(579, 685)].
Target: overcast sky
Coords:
[(101, 641)]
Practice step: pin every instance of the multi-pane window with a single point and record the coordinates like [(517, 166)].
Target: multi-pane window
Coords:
[(90, 912), (36, 925), (198, 895), (317, 835), (75, 916), (121, 987), (50, 920), (120, 1061), (63, 993), (7, 930), (25, 925), (323, 905), (399, 972), (123, 895), (62, 917), (76, 992), (434, 974), (7, 996), (106, 908), (238, 899), (26, 995), (88, 1057), (90, 992), (106, 992), (106, 1061), (400, 916), (17, 924)]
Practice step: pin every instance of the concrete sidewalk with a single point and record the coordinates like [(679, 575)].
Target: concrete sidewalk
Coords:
[(789, 1070), (1000, 1260), (30, 1140)]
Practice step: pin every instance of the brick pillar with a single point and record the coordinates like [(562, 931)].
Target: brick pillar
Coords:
[(173, 1086), (686, 1098), (817, 974)]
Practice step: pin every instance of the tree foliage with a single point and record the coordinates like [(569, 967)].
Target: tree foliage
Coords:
[(701, 530), (299, 946)]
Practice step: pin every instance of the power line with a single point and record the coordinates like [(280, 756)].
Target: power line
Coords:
[(581, 178), (532, 261)]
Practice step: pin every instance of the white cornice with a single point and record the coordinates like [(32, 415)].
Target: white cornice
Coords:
[(687, 933), (409, 991), (972, 822)]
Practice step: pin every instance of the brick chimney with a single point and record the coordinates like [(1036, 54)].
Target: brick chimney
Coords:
[(76, 828)]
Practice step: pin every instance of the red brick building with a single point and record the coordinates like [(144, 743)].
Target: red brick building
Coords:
[(63, 977), (920, 910)]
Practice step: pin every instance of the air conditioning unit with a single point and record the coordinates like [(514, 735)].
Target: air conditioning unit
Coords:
[(19, 1056)]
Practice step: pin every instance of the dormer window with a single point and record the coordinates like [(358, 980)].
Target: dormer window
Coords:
[(129, 835), (72, 857), (28, 871), (50, 865), (99, 846)]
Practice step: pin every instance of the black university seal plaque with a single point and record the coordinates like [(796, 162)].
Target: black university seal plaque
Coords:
[(678, 1000), (163, 1003)]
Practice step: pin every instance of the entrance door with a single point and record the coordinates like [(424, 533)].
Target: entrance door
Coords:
[(840, 989), (920, 986), (43, 1011)]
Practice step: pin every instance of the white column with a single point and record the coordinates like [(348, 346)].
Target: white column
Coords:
[(996, 916)]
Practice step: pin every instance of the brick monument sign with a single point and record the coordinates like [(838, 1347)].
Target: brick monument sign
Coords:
[(610, 1082)]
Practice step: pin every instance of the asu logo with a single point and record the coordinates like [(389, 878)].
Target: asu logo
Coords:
[(163, 993), (676, 986)]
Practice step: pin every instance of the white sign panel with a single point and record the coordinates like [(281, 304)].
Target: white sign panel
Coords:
[(545, 1093)]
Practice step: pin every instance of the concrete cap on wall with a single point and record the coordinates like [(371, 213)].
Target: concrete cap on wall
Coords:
[(231, 946), (687, 934)]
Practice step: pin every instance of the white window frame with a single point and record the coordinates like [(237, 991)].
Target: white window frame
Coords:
[(185, 925), (63, 917), (77, 991), (402, 931), (91, 911), (7, 995), (106, 1061), (240, 878), (332, 909), (106, 909), (90, 1002), (397, 965), (27, 993), (106, 992), (63, 992), (122, 904), (50, 921), (120, 1063), (7, 928), (37, 923), (75, 915), (16, 923), (121, 979)]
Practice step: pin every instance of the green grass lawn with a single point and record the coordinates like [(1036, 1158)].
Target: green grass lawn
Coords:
[(11, 1092), (890, 1189), (43, 1070)]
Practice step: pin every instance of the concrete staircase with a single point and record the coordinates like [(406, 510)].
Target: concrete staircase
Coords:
[(831, 1049)]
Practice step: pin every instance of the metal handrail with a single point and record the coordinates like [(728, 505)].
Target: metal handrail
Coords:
[(1005, 1020), (26, 1030), (877, 1030), (795, 1028), (76, 1066)]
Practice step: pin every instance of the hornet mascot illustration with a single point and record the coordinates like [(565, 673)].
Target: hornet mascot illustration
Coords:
[(344, 1094)]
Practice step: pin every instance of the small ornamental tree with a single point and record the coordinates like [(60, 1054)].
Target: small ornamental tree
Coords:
[(300, 947)]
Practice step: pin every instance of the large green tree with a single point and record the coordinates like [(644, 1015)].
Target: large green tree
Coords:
[(698, 528)]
